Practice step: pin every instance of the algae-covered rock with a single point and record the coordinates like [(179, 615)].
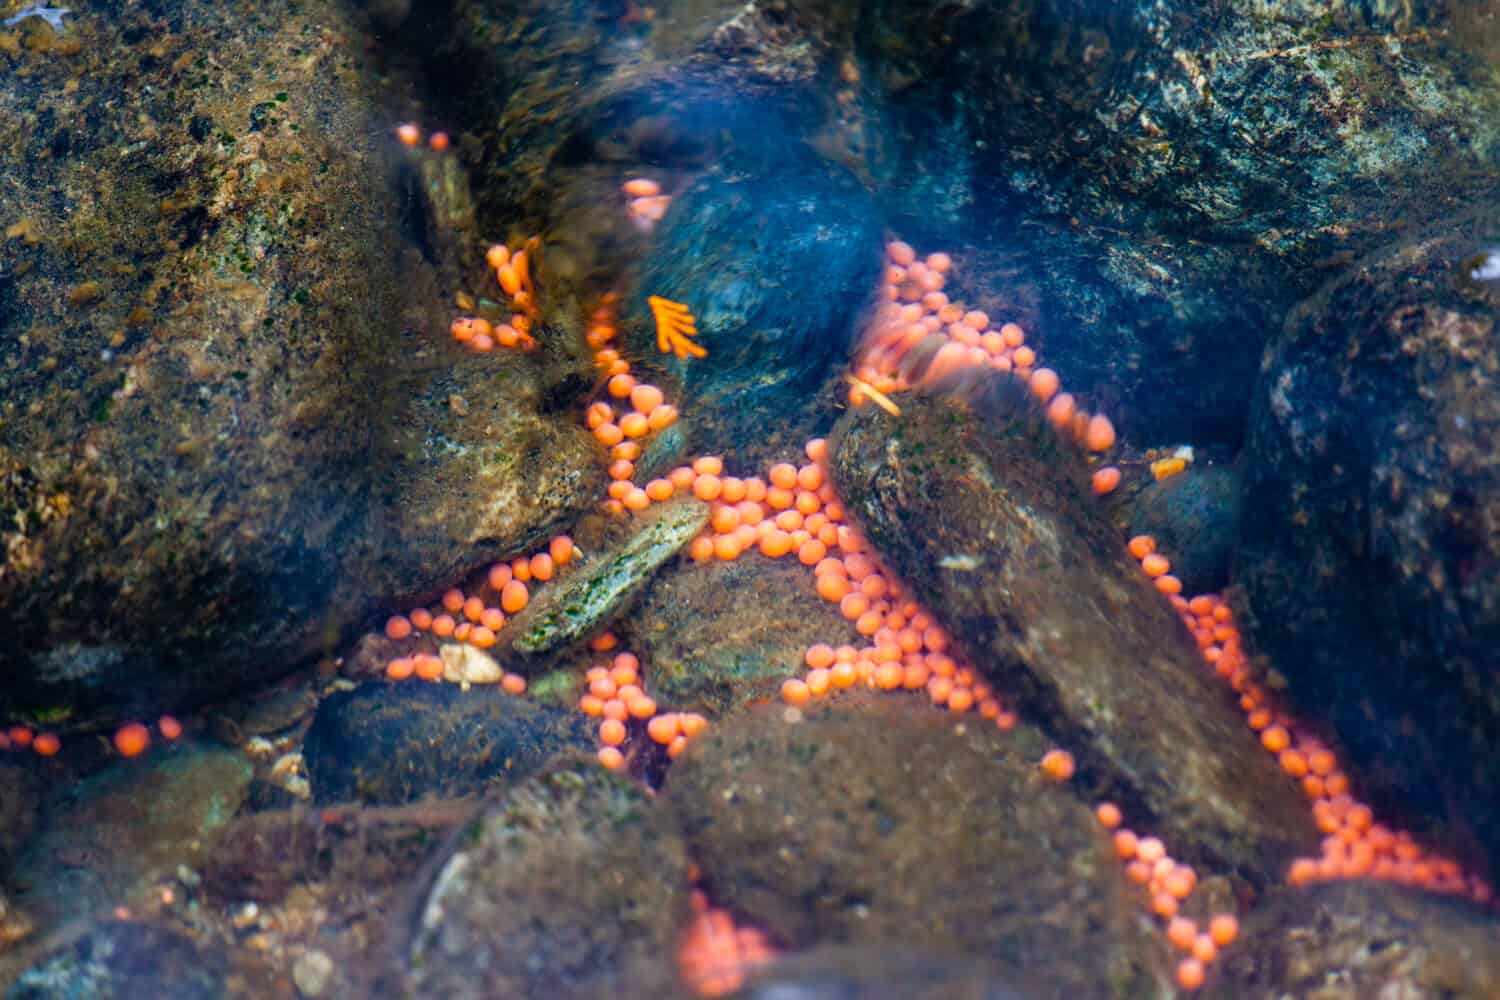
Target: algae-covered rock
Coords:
[(987, 517), (573, 884), (122, 960), (1371, 530), (1352, 940), (878, 821), (717, 635), (104, 838), (385, 743), (231, 421), (597, 589)]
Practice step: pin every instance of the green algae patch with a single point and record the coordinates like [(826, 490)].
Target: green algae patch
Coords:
[(574, 606)]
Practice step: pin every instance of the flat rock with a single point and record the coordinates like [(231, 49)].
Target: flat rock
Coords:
[(987, 517), (591, 593), (879, 821)]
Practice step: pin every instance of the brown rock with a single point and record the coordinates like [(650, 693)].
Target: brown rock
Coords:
[(987, 517), (879, 821)]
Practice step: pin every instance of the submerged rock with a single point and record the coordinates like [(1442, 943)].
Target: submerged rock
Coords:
[(385, 743), (107, 837), (572, 885), (1195, 518), (877, 821), (120, 960), (226, 427), (1371, 536), (987, 517), (775, 259), (358, 861), (1153, 185), (717, 635), (1358, 940)]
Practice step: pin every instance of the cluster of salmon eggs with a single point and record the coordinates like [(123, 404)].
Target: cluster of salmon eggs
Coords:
[(646, 205), (794, 510), (1354, 845), (643, 410), (476, 617), (714, 954), (513, 272), (616, 696), (18, 737), (1169, 884), (919, 336)]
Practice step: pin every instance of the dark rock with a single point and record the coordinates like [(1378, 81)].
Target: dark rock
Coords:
[(1356, 940), (385, 743), (228, 389), (1370, 554), (1195, 518), (717, 635), (1169, 179), (834, 973), (552, 93), (20, 797), (574, 884), (117, 960), (110, 835), (876, 820), (987, 517), (776, 263)]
